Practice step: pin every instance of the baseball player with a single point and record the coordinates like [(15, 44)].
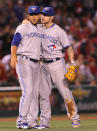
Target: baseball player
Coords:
[(54, 41), (25, 55)]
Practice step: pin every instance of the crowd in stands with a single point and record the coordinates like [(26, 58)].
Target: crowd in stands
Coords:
[(77, 17)]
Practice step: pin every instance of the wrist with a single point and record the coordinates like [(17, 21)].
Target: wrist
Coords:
[(13, 56), (72, 62)]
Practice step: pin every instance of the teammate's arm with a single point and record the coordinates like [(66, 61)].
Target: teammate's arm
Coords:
[(14, 46), (70, 53), (25, 21)]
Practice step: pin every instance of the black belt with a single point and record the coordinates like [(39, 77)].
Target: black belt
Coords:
[(49, 61), (31, 59)]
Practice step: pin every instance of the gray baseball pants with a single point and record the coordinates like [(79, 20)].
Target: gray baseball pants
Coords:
[(56, 71), (29, 77)]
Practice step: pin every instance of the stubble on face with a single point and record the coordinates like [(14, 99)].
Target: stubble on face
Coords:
[(45, 19)]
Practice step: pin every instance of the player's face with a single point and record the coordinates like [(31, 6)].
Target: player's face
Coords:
[(33, 18), (46, 19)]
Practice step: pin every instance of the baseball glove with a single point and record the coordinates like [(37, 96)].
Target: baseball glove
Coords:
[(71, 73)]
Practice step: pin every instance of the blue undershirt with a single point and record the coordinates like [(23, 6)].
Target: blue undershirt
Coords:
[(16, 40)]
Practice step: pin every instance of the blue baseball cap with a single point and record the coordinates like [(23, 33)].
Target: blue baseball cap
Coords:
[(49, 11), (34, 9)]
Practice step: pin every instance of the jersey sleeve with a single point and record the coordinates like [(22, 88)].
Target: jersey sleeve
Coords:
[(63, 38), (21, 29), (16, 40)]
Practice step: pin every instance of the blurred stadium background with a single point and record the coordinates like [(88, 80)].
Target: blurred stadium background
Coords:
[(79, 19)]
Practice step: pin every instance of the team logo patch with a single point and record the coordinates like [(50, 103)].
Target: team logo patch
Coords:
[(52, 47)]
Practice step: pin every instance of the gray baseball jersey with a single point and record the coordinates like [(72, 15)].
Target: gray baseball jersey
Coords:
[(30, 43), (54, 40)]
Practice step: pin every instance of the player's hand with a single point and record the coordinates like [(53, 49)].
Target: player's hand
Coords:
[(13, 61), (72, 73), (25, 21)]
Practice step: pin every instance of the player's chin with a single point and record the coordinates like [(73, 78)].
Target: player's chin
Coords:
[(34, 22)]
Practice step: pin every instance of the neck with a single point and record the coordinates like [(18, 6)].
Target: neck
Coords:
[(48, 24), (35, 24)]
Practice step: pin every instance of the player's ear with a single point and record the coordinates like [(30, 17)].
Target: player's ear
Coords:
[(52, 17)]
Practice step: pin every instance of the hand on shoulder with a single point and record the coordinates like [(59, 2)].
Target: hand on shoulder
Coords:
[(25, 21)]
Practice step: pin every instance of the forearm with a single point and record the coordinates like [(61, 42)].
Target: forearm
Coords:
[(70, 53), (13, 51), (13, 56)]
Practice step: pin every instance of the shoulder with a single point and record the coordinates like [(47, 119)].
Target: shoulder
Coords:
[(22, 26), (39, 25), (59, 28)]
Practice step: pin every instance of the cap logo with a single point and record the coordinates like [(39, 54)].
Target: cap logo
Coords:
[(46, 8), (33, 9)]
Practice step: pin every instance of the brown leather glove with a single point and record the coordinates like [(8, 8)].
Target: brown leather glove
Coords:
[(71, 73)]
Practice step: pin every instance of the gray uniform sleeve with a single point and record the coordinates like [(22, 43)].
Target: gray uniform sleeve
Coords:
[(63, 38), (21, 29)]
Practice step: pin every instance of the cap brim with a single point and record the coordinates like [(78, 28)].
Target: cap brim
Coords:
[(44, 13)]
